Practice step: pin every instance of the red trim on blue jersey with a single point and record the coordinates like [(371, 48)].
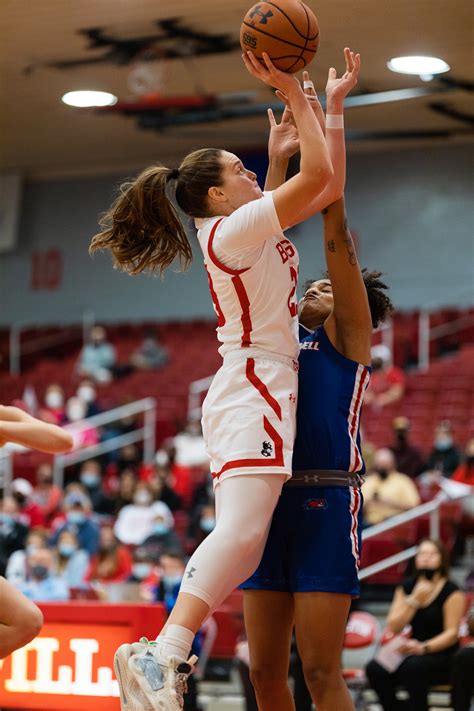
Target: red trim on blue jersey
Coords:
[(261, 387), (245, 306), (277, 460), (355, 524), (215, 260), (355, 420)]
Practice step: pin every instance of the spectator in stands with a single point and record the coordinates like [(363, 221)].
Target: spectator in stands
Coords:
[(159, 482), (433, 606), (112, 563), (150, 355), (143, 567), (387, 382), (163, 536), (129, 456), (386, 491), (126, 488), (408, 458), (17, 567), (87, 393), (46, 495), (445, 456), (135, 521), (189, 447), (42, 584), (90, 476), (84, 435), (97, 357), (72, 562), (77, 508), (30, 512), (464, 473), (13, 532), (53, 410), (204, 522), (463, 677)]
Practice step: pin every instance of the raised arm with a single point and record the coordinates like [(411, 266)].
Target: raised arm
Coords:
[(18, 427), (350, 324), (315, 164)]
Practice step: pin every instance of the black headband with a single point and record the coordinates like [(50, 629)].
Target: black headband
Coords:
[(173, 174)]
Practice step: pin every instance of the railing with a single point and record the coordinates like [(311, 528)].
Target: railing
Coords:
[(196, 389), (430, 507), (145, 433), (42, 343), (426, 334)]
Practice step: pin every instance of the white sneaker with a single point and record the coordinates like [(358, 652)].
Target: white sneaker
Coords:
[(132, 697), (163, 682)]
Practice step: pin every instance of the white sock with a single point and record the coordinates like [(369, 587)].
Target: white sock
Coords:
[(176, 641)]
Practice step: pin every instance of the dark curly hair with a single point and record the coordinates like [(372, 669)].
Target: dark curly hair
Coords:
[(380, 304)]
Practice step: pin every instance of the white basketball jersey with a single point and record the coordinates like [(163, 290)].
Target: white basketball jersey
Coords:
[(253, 271)]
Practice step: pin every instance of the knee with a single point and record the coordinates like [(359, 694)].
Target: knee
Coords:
[(321, 677), (412, 671), (268, 682)]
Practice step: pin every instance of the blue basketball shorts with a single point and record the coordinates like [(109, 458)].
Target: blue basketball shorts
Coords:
[(314, 544)]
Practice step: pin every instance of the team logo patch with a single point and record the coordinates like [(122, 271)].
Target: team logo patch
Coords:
[(315, 504), (267, 449)]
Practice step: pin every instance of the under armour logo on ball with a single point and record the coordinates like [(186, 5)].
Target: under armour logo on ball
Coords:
[(263, 15)]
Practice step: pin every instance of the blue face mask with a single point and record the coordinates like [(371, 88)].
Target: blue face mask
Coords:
[(141, 570), (443, 442), (6, 519), (170, 581), (66, 550), (90, 480), (208, 524), (76, 517), (159, 529)]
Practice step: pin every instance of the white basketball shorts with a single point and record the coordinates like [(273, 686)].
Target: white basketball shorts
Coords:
[(249, 415)]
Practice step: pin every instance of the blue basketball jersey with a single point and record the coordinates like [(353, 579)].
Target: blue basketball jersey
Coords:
[(330, 393)]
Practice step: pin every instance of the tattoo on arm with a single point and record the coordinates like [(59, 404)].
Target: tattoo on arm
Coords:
[(331, 245), (350, 249)]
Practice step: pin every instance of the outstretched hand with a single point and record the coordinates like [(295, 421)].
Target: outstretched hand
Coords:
[(338, 89), (283, 141), (269, 74)]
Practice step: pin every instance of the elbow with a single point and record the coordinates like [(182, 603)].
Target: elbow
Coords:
[(320, 177)]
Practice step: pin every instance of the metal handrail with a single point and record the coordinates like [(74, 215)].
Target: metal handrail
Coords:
[(430, 507), (426, 334), (196, 388)]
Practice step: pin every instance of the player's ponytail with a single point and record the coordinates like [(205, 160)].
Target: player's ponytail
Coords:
[(142, 229)]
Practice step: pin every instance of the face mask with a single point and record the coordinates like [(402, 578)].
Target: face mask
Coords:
[(141, 570), (170, 581), (159, 529), (7, 520), (86, 393), (428, 573), (40, 572), (443, 442), (75, 413), (76, 517), (54, 400), (66, 550), (208, 524), (382, 472), (90, 479), (401, 435), (143, 498)]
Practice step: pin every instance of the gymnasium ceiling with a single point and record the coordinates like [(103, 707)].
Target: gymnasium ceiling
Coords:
[(41, 137)]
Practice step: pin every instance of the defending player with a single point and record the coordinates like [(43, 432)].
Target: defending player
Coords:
[(20, 619), (308, 572), (249, 412)]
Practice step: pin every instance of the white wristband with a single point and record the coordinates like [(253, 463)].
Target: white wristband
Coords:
[(334, 121), (308, 84)]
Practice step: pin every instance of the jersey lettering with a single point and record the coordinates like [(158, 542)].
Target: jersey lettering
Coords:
[(285, 250), (292, 305)]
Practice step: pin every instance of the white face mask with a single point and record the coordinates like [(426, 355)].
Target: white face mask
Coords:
[(86, 393), (76, 412), (142, 498), (54, 400)]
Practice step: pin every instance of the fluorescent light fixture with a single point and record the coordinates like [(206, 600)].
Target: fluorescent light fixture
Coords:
[(89, 98), (418, 65)]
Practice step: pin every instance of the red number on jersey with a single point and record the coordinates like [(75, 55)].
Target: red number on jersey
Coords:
[(292, 304), (285, 250)]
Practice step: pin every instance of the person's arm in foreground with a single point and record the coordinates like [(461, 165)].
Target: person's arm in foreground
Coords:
[(18, 427), (20, 619)]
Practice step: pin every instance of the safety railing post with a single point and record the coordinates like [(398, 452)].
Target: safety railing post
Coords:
[(149, 444)]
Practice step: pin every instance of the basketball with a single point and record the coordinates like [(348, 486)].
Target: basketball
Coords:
[(286, 29)]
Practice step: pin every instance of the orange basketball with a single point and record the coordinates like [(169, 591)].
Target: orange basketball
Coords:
[(286, 29)]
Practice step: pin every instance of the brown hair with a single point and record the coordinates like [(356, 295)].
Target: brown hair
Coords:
[(142, 228), (444, 566), (379, 303)]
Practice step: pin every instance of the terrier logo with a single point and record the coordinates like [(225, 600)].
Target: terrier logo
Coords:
[(267, 449)]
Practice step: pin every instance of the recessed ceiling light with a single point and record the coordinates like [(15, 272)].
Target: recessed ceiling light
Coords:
[(89, 98), (418, 65)]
